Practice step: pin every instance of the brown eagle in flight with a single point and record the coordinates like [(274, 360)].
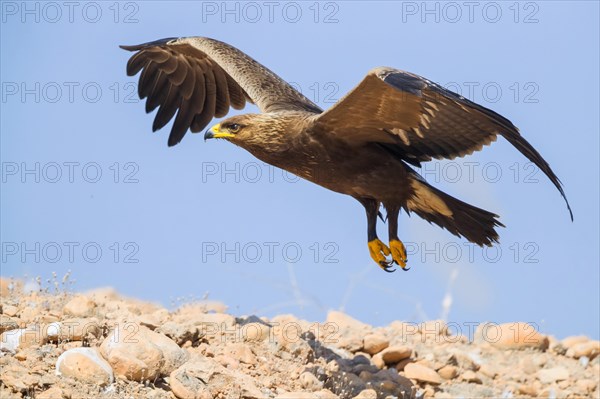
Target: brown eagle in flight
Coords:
[(361, 146)]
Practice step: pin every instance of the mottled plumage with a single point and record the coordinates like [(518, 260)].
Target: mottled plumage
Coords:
[(360, 147)]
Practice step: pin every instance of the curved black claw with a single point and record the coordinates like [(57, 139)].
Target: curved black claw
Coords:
[(402, 267), (387, 267)]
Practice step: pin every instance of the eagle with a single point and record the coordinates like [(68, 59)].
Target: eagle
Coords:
[(365, 146)]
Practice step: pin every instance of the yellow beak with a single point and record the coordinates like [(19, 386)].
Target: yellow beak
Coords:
[(216, 133)]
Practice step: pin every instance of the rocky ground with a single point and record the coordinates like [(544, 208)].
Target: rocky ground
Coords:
[(103, 345)]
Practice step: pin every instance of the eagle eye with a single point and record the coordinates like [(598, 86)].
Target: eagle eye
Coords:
[(234, 128)]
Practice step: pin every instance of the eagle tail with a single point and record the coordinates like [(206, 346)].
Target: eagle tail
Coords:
[(459, 218)]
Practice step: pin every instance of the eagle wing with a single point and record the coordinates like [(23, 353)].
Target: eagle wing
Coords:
[(200, 79), (419, 120)]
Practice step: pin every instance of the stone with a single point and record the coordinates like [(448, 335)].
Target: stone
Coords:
[(433, 329), (448, 372), (394, 354), (586, 385), (375, 343), (20, 338), (51, 393), (137, 353), (516, 335), (421, 373), (349, 331), (310, 382), (589, 349), (5, 286), (367, 394), (402, 363), (8, 323), (10, 310), (529, 390), (206, 378), (489, 370), (78, 329), (242, 352), (573, 340), (79, 306), (547, 376), (19, 379), (470, 376), (85, 365), (377, 360)]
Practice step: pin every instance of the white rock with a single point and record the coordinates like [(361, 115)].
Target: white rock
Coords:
[(86, 365)]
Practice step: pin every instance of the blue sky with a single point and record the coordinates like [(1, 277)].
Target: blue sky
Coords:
[(87, 187)]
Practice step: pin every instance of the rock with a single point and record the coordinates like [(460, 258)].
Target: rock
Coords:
[(589, 349), (10, 310), (79, 306), (377, 360), (51, 393), (586, 385), (470, 376), (448, 372), (350, 332), (186, 384), (77, 329), (421, 373), (489, 370), (137, 353), (255, 331), (528, 390), (241, 352), (375, 343), (19, 379), (573, 340), (8, 323), (527, 365), (394, 354), (12, 340), (85, 365), (155, 319), (433, 329), (310, 382), (205, 378), (516, 335), (367, 394), (5, 286), (547, 376), (402, 363)]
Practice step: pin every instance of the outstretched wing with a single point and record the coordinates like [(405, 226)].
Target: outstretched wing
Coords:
[(419, 120), (200, 78)]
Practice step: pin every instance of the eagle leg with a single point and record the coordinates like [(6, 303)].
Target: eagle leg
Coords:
[(397, 249), (377, 249)]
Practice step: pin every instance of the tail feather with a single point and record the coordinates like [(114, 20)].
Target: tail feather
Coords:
[(459, 218)]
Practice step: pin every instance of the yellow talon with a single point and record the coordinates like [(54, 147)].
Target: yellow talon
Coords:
[(379, 251), (398, 253)]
